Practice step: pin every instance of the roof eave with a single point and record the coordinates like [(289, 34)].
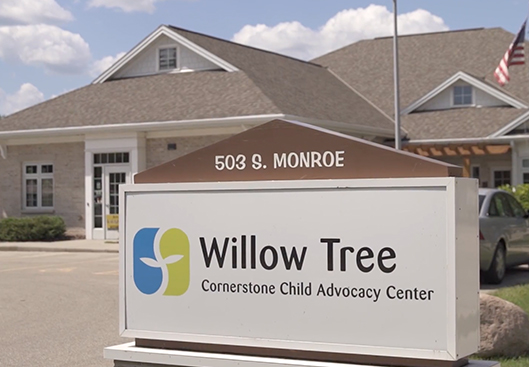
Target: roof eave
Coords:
[(348, 128), (141, 126), (457, 141), (250, 120)]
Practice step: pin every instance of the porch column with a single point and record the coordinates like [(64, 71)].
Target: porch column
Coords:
[(466, 166)]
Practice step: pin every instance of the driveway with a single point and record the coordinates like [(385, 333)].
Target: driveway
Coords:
[(516, 276)]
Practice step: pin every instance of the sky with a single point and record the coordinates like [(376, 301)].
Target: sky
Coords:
[(50, 47)]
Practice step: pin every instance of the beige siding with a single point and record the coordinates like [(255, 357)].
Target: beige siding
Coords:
[(157, 152), (68, 177), (145, 63), (487, 164)]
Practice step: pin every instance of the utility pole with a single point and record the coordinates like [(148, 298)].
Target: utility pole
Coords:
[(396, 77)]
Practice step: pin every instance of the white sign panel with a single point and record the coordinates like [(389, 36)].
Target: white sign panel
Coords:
[(379, 267)]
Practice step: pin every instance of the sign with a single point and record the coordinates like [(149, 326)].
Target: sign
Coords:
[(286, 150), (385, 267), (113, 221)]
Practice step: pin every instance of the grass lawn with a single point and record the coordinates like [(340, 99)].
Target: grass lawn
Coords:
[(519, 295), (513, 362)]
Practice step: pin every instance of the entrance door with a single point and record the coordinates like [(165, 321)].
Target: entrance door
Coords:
[(113, 177)]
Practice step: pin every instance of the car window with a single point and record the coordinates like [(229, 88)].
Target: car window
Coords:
[(493, 210), (481, 200), (499, 206), (507, 210), (516, 207)]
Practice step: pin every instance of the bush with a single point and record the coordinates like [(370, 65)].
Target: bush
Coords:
[(520, 192), (41, 228)]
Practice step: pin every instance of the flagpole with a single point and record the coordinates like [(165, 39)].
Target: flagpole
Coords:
[(396, 77)]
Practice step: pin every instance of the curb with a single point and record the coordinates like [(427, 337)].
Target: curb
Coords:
[(55, 249)]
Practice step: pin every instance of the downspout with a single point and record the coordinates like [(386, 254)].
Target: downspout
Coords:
[(3, 151), (514, 165)]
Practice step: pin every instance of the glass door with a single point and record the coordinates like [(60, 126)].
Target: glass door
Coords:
[(113, 177)]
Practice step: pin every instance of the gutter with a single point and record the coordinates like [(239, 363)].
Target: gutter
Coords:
[(141, 126), (501, 139), (195, 124), (343, 127)]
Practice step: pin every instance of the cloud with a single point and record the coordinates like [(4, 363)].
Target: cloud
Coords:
[(99, 66), (346, 27), (19, 12), (27, 95), (47, 46), (127, 6)]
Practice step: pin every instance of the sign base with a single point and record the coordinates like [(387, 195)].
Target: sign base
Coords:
[(128, 355)]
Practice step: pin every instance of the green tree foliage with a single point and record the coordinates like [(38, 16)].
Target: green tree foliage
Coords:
[(520, 192)]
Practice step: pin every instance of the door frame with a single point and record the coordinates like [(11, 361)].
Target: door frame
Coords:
[(107, 170), (132, 143)]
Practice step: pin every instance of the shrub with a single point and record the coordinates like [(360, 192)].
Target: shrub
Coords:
[(520, 192), (41, 228)]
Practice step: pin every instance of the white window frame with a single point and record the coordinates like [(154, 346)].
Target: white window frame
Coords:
[(158, 58), (496, 169), (473, 96), (39, 176)]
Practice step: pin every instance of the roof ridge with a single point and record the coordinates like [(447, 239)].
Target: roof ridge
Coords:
[(354, 90), (263, 92), (431, 33), (404, 36), (242, 45)]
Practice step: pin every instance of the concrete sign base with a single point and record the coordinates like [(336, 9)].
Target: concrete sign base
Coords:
[(128, 355)]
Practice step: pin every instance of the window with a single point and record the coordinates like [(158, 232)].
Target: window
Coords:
[(502, 178), (525, 166), (111, 158), (167, 58), (38, 186), (474, 172), (462, 95)]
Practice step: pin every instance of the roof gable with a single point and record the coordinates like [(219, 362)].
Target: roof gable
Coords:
[(426, 62), (163, 35), (461, 76)]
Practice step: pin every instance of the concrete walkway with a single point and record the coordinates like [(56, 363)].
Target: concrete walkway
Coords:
[(62, 246)]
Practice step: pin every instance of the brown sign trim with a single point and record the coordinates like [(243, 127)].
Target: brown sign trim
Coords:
[(286, 150), (297, 354)]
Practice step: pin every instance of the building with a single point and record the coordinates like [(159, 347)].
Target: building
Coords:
[(173, 93), (178, 91), (452, 107)]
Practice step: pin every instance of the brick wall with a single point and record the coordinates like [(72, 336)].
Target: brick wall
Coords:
[(157, 152), (68, 177)]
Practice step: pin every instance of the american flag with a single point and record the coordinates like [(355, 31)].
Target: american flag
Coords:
[(515, 55)]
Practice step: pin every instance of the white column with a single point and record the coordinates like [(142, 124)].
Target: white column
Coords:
[(89, 192)]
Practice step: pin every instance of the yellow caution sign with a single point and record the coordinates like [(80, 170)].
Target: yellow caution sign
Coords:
[(113, 221)]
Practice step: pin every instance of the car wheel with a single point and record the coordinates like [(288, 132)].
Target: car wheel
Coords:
[(496, 273)]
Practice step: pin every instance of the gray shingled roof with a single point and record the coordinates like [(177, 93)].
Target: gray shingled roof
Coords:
[(267, 83), (295, 87), (426, 61)]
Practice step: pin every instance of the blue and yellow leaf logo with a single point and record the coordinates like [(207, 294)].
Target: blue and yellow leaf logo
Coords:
[(167, 264)]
